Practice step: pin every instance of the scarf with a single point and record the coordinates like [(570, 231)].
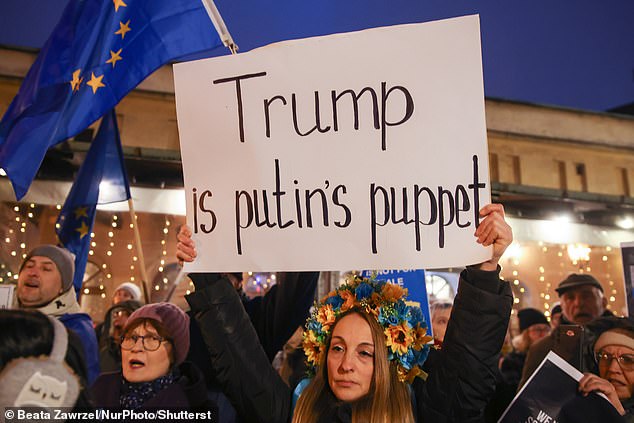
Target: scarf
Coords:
[(134, 395), (64, 303)]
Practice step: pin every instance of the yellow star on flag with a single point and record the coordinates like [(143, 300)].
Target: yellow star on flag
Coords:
[(95, 82), (81, 211), (83, 230), (114, 57), (123, 29), (118, 4), (76, 81)]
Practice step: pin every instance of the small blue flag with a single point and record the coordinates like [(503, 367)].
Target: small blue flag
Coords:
[(101, 179), (97, 53)]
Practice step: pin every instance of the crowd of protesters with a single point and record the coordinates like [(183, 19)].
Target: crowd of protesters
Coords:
[(360, 354)]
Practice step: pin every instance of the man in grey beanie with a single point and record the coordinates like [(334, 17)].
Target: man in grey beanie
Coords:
[(45, 283)]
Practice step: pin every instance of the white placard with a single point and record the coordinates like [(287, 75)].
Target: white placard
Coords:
[(6, 296), (300, 155)]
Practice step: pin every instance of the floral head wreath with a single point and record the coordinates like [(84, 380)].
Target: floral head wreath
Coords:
[(404, 326)]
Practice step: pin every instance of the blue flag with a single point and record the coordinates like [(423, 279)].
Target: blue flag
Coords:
[(101, 179), (97, 53)]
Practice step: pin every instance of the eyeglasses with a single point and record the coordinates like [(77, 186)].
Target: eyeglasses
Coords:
[(149, 342), (121, 313), (626, 361)]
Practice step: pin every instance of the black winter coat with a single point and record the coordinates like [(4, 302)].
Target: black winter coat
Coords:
[(463, 378), (275, 317), (238, 361)]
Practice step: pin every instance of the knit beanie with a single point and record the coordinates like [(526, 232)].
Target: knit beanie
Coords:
[(132, 289), (617, 336), (63, 259), (529, 317), (173, 319)]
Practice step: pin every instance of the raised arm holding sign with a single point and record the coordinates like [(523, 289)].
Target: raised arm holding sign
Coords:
[(353, 151)]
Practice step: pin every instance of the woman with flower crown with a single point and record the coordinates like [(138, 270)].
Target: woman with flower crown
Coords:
[(366, 347)]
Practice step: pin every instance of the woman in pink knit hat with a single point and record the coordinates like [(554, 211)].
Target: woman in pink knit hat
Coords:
[(153, 372)]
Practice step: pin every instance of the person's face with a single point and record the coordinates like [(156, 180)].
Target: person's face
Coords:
[(582, 304), (350, 359), (439, 323), (612, 371), (119, 319), (538, 331), (39, 282), (121, 295), (140, 365)]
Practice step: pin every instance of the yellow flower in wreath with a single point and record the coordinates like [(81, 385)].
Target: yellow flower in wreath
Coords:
[(399, 338), (392, 292), (349, 300), (326, 316), (421, 338), (312, 347)]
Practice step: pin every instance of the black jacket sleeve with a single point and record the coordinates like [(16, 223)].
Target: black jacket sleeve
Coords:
[(463, 379), (238, 360), (277, 315)]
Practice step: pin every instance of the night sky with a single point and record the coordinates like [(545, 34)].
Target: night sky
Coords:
[(577, 54)]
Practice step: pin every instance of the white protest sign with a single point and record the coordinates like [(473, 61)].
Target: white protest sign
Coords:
[(364, 150), (6, 296)]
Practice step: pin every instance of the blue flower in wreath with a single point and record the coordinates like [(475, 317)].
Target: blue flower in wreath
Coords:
[(387, 317), (416, 317), (401, 310), (421, 355), (363, 291), (314, 325), (335, 302), (407, 360)]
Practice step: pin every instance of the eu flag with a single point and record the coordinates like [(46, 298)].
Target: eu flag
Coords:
[(97, 53), (101, 179)]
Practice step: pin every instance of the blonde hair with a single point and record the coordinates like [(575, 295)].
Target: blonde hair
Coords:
[(388, 400)]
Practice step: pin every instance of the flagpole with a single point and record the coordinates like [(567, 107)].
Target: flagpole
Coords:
[(177, 281), (137, 237), (220, 26)]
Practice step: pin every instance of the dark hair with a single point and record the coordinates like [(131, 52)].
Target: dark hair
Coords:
[(24, 333), (30, 333)]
